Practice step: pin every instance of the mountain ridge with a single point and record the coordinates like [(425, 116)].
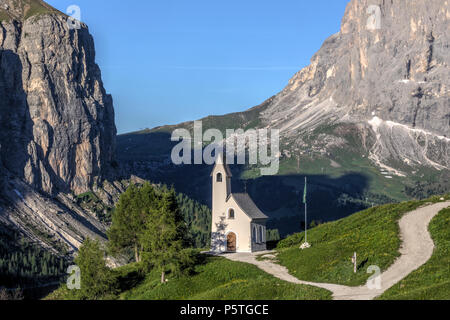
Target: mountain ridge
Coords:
[(388, 78), (24, 9)]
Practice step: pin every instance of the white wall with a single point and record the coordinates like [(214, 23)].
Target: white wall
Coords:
[(221, 222)]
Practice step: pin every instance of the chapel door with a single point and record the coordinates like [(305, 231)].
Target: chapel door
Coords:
[(231, 242)]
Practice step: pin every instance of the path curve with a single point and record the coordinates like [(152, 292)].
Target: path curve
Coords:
[(416, 249)]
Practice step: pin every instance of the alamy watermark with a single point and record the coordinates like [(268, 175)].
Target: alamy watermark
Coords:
[(260, 147), (374, 281), (374, 20), (74, 280), (74, 13)]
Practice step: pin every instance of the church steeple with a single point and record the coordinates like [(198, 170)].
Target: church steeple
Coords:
[(221, 182), (221, 164)]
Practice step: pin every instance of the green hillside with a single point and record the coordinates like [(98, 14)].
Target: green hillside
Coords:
[(373, 234), (215, 278), (432, 280), (24, 9), (36, 7), (25, 264)]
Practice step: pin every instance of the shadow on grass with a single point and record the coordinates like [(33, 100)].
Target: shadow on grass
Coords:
[(362, 264)]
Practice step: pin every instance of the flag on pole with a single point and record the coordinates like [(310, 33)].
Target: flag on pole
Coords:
[(304, 193), (305, 245)]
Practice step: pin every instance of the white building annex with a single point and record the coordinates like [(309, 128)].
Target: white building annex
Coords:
[(237, 223)]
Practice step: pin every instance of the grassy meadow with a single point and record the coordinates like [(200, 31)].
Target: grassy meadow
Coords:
[(222, 279), (373, 234), (216, 278)]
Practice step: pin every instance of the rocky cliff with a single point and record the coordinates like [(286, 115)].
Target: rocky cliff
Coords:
[(57, 131), (386, 72)]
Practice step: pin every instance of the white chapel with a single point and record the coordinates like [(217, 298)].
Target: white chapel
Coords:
[(237, 223)]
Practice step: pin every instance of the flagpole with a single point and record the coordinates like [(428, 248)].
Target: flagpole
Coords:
[(306, 225), (306, 217), (305, 245)]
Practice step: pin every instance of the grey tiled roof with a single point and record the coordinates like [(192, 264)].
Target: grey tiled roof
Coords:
[(246, 203)]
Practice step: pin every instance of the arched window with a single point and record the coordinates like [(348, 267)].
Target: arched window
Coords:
[(261, 235), (219, 177), (231, 214), (254, 234)]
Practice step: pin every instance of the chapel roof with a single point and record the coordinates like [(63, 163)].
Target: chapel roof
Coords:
[(248, 206)]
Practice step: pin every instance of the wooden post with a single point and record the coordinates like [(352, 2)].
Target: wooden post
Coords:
[(354, 262)]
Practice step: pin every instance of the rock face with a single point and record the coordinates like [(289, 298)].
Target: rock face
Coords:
[(57, 131), (57, 123), (387, 72)]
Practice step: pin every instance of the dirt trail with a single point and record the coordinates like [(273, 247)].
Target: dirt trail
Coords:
[(416, 249)]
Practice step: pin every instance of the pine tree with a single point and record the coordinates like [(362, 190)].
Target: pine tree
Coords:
[(128, 220), (164, 237), (96, 277)]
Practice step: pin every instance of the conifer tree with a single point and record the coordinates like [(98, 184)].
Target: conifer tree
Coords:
[(164, 237), (96, 277), (132, 212)]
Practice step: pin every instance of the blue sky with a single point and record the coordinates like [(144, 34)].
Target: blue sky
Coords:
[(171, 61)]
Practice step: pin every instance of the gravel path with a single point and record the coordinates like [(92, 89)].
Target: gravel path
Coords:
[(416, 249)]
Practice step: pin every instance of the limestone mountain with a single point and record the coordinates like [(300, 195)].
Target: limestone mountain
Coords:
[(391, 84), (57, 131), (367, 120)]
